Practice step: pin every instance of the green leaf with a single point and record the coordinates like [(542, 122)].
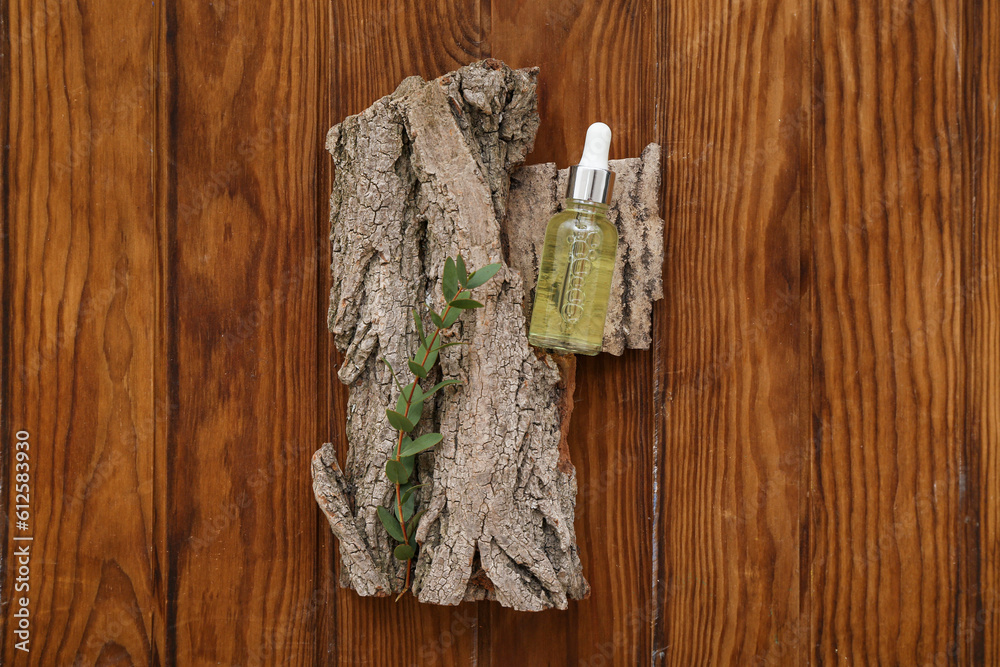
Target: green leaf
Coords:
[(416, 410), (416, 406), (404, 552), (420, 325), (404, 396), (398, 421), (463, 274), (396, 472), (412, 523), (449, 280), (391, 523), (420, 444), (452, 317), (436, 319), (480, 276), (417, 369), (393, 372), (429, 361), (408, 493), (408, 462), (465, 304), (441, 385), (408, 501)]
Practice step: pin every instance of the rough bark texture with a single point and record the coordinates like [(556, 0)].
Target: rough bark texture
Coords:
[(421, 175)]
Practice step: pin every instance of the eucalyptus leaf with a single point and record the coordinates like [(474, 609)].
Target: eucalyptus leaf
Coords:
[(398, 421), (456, 283), (416, 410), (449, 280), (412, 523), (391, 524), (401, 400), (413, 409), (441, 385), (407, 462), (396, 472), (436, 319), (420, 325), (452, 317), (408, 493), (408, 501), (420, 444), (392, 371), (428, 359), (480, 276)]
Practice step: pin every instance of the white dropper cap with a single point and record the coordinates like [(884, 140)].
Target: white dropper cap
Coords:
[(595, 149), (591, 180)]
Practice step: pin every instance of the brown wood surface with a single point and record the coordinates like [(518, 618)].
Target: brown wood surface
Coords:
[(80, 307), (802, 470), (888, 396), (980, 628), (733, 431)]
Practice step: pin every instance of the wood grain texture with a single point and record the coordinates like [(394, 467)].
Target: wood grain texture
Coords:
[(980, 628), (820, 402), (78, 302), (888, 396), (732, 432), (440, 37), (242, 349), (598, 62)]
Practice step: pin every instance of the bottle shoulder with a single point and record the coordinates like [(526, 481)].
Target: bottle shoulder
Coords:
[(568, 220)]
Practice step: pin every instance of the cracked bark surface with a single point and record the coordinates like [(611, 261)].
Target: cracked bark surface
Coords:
[(421, 175)]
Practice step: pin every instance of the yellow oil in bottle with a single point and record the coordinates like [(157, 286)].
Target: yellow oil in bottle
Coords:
[(574, 279)]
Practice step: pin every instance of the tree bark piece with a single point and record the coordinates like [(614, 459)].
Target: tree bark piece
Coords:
[(421, 175), (537, 193)]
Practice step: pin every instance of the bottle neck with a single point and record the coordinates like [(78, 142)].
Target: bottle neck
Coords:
[(585, 205), (590, 183)]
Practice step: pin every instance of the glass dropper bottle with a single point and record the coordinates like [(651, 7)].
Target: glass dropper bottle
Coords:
[(578, 257)]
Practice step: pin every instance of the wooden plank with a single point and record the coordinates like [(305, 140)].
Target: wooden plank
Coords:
[(888, 403), (330, 392), (981, 630), (375, 45), (243, 307), (78, 311), (598, 62), (161, 335), (733, 365)]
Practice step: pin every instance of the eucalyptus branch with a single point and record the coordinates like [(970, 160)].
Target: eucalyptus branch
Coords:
[(401, 521)]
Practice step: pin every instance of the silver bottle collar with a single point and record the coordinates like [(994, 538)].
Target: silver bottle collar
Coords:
[(590, 184)]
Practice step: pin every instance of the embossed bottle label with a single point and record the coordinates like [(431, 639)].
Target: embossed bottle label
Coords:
[(584, 245)]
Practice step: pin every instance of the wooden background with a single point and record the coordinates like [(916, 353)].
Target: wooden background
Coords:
[(803, 470)]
